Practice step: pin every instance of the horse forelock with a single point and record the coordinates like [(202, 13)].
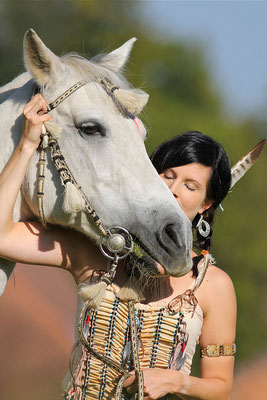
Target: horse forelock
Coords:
[(90, 69), (128, 101)]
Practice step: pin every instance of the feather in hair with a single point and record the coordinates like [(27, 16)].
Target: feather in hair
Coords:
[(243, 165)]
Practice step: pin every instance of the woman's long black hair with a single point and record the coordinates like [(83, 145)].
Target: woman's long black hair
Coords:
[(195, 147)]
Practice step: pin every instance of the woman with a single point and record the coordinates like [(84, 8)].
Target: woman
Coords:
[(197, 171)]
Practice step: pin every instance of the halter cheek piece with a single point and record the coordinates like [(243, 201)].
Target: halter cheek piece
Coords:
[(112, 234)]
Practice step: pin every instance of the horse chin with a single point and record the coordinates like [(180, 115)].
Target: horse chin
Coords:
[(145, 267)]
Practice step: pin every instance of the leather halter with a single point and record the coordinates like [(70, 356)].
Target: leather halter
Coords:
[(119, 241), (66, 175), (64, 95)]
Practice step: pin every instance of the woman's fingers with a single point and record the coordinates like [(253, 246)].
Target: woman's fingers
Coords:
[(130, 384), (36, 110), (37, 103), (35, 114)]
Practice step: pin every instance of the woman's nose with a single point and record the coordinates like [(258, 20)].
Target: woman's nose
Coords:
[(174, 189)]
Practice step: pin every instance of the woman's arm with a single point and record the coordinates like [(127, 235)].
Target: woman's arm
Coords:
[(219, 304), (29, 242)]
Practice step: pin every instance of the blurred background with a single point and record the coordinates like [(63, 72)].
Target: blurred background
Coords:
[(204, 65)]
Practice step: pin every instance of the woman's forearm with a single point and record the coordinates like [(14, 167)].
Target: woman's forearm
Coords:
[(189, 387), (160, 382), (10, 182), (13, 174)]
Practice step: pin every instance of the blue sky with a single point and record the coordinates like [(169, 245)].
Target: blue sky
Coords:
[(234, 35)]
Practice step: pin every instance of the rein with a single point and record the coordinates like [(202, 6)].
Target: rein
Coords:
[(117, 241)]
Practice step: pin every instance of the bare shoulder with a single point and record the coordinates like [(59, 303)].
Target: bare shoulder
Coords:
[(217, 278), (216, 290)]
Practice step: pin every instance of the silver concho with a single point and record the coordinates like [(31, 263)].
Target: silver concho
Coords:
[(118, 244)]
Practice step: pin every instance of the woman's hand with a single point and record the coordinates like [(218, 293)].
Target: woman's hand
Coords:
[(34, 116), (157, 382)]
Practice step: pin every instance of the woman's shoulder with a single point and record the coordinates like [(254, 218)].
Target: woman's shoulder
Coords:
[(216, 276), (216, 288)]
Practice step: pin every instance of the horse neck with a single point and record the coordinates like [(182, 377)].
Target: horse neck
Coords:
[(11, 119), (11, 87)]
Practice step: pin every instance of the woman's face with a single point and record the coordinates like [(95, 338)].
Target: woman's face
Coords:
[(188, 184)]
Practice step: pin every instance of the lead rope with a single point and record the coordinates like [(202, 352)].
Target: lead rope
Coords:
[(135, 354), (112, 364), (40, 190), (66, 176)]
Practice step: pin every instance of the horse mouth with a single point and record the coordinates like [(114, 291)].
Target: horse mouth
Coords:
[(142, 259)]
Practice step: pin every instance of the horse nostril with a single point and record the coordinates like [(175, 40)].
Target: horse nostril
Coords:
[(168, 238), (171, 234)]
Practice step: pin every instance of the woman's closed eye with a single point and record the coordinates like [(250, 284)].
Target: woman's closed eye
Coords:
[(166, 176), (189, 187)]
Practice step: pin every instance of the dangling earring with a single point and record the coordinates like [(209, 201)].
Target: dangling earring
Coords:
[(203, 227)]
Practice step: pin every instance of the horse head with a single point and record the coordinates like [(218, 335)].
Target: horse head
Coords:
[(103, 144)]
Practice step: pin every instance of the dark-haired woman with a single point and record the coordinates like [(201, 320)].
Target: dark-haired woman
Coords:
[(199, 306), (197, 171)]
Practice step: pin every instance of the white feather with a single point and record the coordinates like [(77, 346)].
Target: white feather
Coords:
[(243, 165)]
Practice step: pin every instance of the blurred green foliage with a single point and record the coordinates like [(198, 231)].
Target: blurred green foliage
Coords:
[(182, 97)]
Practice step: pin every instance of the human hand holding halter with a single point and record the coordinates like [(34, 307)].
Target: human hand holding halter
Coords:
[(157, 383), (35, 114)]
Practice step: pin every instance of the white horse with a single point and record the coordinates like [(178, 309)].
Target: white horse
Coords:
[(103, 148)]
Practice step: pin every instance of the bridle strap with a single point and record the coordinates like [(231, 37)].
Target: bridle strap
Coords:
[(62, 167), (40, 187), (67, 176), (65, 95)]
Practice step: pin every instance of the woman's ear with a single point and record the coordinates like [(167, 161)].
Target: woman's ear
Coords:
[(206, 206)]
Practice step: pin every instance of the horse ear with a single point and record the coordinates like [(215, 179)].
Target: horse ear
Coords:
[(43, 65), (117, 59)]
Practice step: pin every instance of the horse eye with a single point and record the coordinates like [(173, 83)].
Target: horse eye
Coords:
[(91, 128)]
